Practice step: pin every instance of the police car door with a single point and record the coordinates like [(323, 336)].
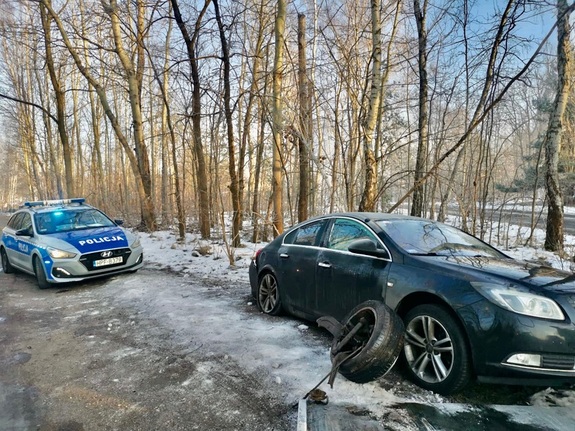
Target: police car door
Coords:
[(17, 246)]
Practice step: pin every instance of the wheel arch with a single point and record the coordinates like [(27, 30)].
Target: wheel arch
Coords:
[(267, 269), (37, 255)]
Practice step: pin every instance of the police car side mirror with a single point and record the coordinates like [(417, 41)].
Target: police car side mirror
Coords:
[(25, 232), (119, 222)]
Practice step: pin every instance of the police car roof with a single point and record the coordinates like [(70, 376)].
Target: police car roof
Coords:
[(51, 205)]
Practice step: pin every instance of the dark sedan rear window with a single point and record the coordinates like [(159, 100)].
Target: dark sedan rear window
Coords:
[(305, 235)]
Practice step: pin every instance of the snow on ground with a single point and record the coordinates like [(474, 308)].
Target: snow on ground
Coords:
[(300, 366), (298, 362)]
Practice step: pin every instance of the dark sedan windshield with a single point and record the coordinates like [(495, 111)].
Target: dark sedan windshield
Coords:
[(68, 220), (424, 237)]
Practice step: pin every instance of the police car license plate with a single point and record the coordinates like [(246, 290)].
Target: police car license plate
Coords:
[(106, 262)]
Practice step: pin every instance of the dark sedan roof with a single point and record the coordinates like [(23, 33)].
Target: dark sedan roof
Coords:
[(369, 216)]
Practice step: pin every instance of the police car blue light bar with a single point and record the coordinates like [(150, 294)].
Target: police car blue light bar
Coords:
[(78, 201)]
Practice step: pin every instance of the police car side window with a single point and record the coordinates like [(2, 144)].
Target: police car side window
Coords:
[(16, 221), (26, 221)]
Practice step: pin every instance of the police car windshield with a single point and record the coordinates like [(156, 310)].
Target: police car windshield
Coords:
[(66, 220)]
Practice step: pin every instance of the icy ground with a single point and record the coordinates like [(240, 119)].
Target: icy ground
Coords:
[(298, 368)]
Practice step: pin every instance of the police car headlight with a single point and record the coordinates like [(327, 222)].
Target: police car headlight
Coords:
[(60, 254), (136, 243)]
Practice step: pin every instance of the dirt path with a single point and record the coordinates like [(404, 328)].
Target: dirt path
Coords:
[(76, 359)]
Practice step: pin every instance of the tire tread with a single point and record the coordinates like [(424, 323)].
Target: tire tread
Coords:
[(381, 351)]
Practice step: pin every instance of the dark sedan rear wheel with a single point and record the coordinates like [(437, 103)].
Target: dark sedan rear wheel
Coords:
[(378, 342), (435, 350), (6, 265), (40, 273), (269, 295)]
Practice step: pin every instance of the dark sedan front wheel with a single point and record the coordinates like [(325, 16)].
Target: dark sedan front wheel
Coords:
[(269, 295), (435, 350)]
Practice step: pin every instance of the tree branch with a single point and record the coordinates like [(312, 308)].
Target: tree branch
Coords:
[(44, 110), (479, 119)]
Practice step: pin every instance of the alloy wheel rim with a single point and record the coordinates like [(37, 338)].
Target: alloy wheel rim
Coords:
[(268, 295), (429, 349)]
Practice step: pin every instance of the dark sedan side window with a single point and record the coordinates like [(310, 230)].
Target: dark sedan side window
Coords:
[(305, 235), (344, 232)]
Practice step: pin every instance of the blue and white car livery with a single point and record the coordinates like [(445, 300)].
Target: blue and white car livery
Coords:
[(67, 240)]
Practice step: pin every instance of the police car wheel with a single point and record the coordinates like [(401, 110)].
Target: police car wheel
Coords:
[(6, 265), (40, 274)]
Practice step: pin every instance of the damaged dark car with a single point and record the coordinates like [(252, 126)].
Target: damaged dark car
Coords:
[(469, 311)]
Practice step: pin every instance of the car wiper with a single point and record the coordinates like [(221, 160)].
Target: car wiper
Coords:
[(426, 254)]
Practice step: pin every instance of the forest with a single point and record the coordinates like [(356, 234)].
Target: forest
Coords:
[(179, 113)]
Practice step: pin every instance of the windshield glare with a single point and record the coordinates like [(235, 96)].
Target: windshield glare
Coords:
[(425, 237), (70, 220)]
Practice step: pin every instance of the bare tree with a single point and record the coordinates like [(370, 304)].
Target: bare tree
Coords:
[(202, 175), (423, 121), (59, 92), (139, 165), (234, 180), (305, 122), (368, 198), (552, 142), (277, 117)]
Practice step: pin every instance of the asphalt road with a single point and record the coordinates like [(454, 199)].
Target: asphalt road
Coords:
[(523, 218), (80, 358)]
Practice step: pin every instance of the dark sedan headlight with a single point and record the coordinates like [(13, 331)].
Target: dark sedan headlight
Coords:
[(56, 253), (519, 301)]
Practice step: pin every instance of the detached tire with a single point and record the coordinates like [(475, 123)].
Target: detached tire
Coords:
[(380, 342)]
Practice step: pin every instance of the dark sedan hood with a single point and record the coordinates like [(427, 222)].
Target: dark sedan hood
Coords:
[(511, 270)]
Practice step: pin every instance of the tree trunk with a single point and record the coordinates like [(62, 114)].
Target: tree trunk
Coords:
[(134, 88), (305, 119), (60, 103), (234, 182), (369, 196), (422, 140), (552, 141), (202, 174), (258, 232), (277, 120), (163, 84)]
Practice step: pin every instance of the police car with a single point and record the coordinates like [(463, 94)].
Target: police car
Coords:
[(67, 240)]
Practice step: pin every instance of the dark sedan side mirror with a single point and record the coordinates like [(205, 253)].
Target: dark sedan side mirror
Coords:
[(368, 247), (119, 222)]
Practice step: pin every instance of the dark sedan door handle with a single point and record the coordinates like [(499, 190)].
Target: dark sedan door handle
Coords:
[(324, 264), (284, 255)]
